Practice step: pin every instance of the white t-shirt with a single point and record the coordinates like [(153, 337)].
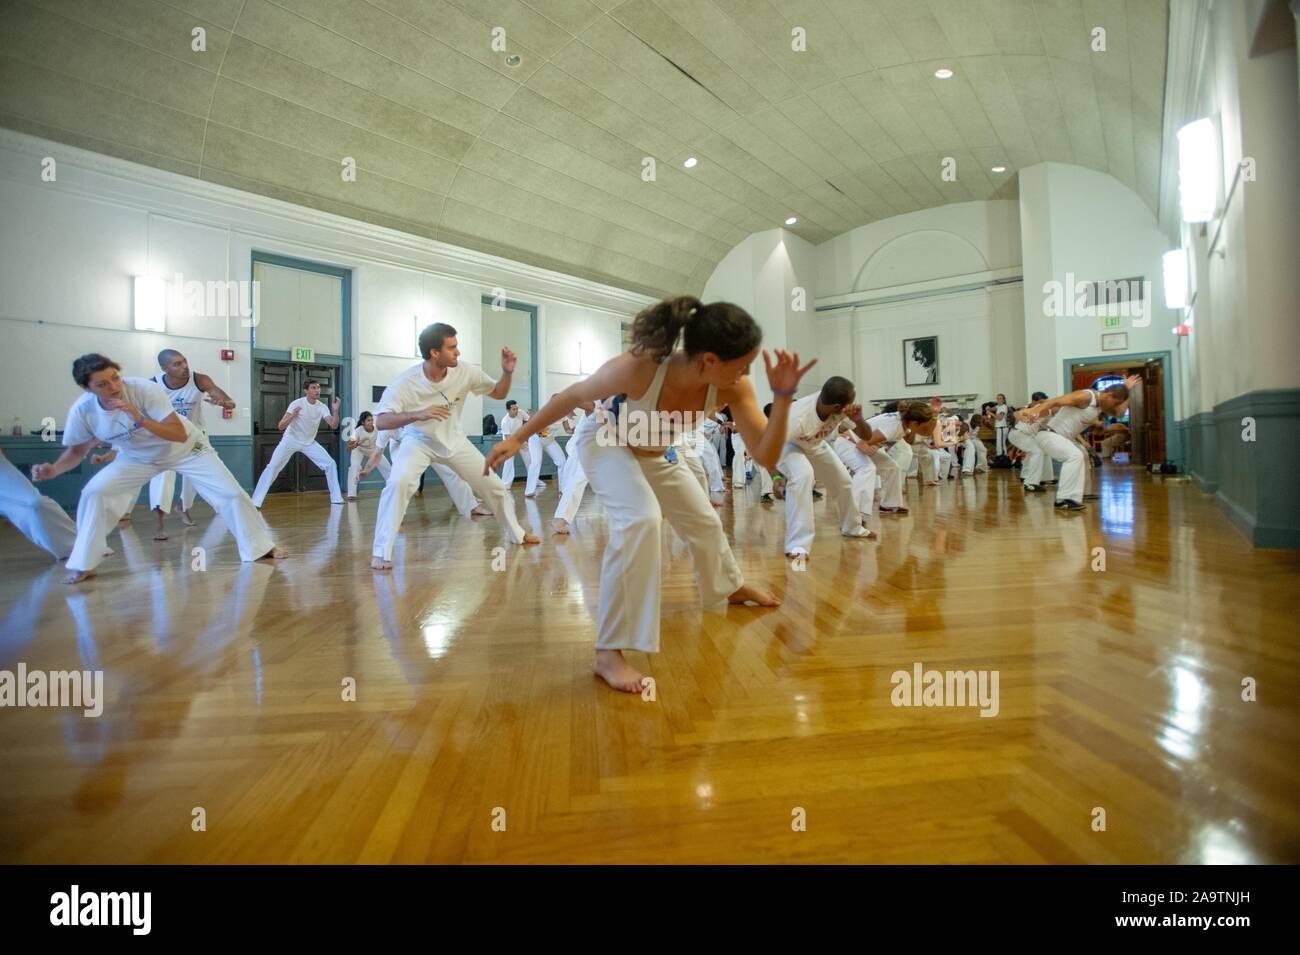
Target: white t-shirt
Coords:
[(1000, 422), (1070, 422), (890, 424), (510, 425), (303, 428), (187, 400), (87, 420), (412, 391), (365, 439), (805, 428)]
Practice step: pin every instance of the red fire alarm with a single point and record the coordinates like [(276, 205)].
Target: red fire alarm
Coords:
[(227, 354)]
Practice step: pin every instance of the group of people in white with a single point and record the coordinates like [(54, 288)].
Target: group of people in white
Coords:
[(688, 362)]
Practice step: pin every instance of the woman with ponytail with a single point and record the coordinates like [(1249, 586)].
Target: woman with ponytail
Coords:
[(687, 360), (898, 429)]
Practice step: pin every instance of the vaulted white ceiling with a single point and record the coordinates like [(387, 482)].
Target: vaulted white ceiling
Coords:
[(542, 162)]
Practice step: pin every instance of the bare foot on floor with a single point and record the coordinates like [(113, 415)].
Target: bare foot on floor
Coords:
[(378, 563), (756, 596), (617, 672), (275, 553), (186, 519), (532, 539), (77, 576), (480, 511), (560, 526)]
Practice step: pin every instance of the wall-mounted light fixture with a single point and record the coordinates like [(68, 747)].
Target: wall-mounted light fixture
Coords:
[(1199, 177), (1173, 266), (149, 303)]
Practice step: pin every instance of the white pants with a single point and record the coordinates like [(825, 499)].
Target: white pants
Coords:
[(556, 453), (285, 450), (41, 520), (1073, 481), (461, 494), (708, 453), (1001, 432), (940, 463), (764, 481), (801, 468), (1037, 466), (739, 466), (111, 491), (974, 455), (356, 461), (863, 480), (466, 462), (573, 484), (162, 488), (638, 493), (532, 455), (890, 473)]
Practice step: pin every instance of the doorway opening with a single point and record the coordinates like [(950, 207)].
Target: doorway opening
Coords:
[(1149, 406)]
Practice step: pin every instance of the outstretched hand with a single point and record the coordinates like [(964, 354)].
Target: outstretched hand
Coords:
[(1132, 381), (783, 375)]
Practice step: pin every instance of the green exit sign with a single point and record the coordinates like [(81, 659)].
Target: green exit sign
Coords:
[(1112, 321), (309, 354)]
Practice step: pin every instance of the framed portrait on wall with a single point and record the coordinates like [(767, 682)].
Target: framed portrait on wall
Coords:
[(921, 361)]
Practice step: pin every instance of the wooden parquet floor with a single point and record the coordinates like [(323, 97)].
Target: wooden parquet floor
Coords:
[(1119, 689)]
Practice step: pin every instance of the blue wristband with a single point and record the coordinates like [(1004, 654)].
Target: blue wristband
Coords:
[(783, 394)]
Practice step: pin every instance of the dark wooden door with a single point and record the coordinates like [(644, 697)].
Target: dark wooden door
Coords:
[(275, 384), (1153, 394)]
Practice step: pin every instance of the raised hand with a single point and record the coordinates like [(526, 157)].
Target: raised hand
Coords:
[(1132, 381), (42, 472), (853, 412), (508, 360), (334, 405), (783, 375), (501, 452)]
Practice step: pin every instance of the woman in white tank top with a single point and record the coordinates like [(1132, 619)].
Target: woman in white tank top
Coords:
[(638, 475)]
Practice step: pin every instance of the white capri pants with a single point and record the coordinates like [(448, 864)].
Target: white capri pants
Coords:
[(39, 519), (573, 484), (285, 450), (638, 493), (891, 474), (801, 468), (1073, 481), (357, 462), (110, 492), (466, 462), (974, 455), (708, 453), (162, 489), (940, 463), (1037, 466)]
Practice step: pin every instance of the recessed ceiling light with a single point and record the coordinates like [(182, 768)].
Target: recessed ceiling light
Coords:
[(999, 168), (690, 163), (943, 73), (512, 59), (791, 221)]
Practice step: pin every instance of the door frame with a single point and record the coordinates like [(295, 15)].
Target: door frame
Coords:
[(532, 311), (1173, 444), (343, 362)]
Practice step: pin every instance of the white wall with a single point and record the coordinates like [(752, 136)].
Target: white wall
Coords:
[(1245, 323), (927, 255), (68, 249), (1080, 225), (761, 275)]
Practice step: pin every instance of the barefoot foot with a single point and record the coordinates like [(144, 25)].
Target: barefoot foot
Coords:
[(617, 672), (275, 553), (186, 519), (378, 563), (77, 576), (480, 511), (559, 526), (754, 596), (531, 539)]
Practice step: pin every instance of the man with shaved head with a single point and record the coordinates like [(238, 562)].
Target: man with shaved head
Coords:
[(187, 391)]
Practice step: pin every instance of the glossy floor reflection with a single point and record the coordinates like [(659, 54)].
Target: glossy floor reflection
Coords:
[(1120, 689)]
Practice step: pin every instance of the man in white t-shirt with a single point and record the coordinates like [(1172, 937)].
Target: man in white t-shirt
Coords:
[(1072, 414), (425, 401), (807, 457), (300, 423), (135, 416)]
